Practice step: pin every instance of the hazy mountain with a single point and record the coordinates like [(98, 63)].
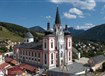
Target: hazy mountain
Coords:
[(16, 32), (96, 33), (75, 32), (37, 29)]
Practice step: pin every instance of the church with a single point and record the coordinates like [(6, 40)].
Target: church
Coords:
[(55, 50)]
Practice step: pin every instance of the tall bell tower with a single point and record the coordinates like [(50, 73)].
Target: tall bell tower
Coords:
[(57, 24), (60, 42)]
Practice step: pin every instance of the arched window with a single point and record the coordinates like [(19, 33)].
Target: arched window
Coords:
[(69, 43), (51, 43), (45, 59), (52, 58), (45, 44), (69, 55)]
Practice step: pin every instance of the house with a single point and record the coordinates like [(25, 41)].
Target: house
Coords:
[(11, 61), (15, 71), (96, 62), (3, 68), (28, 68)]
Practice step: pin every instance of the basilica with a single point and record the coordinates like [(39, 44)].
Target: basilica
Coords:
[(53, 51)]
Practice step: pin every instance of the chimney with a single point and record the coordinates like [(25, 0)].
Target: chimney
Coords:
[(66, 27), (48, 26)]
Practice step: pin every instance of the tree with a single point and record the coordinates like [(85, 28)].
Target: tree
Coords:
[(1, 29), (3, 49)]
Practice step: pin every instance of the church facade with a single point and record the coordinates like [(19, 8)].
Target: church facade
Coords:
[(53, 51)]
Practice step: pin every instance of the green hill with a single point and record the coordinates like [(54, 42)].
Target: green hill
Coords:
[(12, 31), (16, 32), (6, 34), (20, 30)]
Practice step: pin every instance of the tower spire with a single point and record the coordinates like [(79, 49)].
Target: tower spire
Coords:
[(57, 19)]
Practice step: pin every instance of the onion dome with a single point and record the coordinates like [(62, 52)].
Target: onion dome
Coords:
[(28, 35)]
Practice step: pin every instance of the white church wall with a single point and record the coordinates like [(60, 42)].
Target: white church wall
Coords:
[(28, 40)]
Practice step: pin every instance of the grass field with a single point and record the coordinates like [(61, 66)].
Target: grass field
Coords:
[(6, 34)]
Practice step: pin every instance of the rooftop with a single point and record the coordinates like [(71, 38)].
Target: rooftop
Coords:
[(73, 66), (15, 70), (98, 59), (4, 65), (28, 35), (32, 45), (28, 67), (82, 60)]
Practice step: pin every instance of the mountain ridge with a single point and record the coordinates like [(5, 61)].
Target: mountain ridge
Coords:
[(96, 33)]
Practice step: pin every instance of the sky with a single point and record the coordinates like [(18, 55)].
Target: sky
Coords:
[(80, 14)]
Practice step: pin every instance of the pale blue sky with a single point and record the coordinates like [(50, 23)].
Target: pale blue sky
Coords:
[(29, 13)]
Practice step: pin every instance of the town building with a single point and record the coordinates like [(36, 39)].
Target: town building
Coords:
[(96, 62), (53, 53), (54, 50)]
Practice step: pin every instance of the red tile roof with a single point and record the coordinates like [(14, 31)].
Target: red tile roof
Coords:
[(4, 65), (27, 67), (10, 75), (8, 60), (15, 70), (14, 62)]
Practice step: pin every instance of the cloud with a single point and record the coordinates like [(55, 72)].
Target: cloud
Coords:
[(61, 1), (86, 4), (69, 16), (56, 1), (81, 16), (102, 10), (83, 4), (100, 0), (74, 13), (48, 18), (104, 18), (85, 27)]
